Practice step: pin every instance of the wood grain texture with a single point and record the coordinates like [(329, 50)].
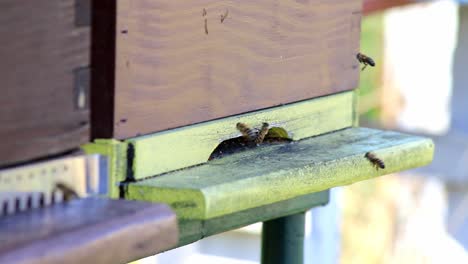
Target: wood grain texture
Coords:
[(41, 47), (271, 174), (88, 231), (380, 5), (171, 73), (182, 147), (193, 230)]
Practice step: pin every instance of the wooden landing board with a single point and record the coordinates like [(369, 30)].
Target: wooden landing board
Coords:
[(179, 148), (44, 79), (90, 230), (270, 174), (193, 230), (172, 71)]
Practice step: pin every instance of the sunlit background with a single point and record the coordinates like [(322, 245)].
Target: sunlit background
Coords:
[(420, 85)]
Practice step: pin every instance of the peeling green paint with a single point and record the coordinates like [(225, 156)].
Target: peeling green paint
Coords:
[(183, 147), (270, 174)]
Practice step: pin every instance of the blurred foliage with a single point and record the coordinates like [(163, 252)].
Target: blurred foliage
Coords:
[(371, 45), (368, 222)]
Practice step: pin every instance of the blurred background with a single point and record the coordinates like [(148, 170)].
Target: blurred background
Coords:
[(419, 85)]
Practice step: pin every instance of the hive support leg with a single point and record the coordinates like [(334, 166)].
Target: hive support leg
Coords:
[(283, 240)]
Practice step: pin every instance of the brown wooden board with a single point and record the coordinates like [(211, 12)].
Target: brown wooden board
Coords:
[(171, 70), (381, 5), (44, 75), (90, 230)]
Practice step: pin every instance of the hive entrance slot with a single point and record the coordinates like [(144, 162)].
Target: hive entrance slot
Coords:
[(275, 135)]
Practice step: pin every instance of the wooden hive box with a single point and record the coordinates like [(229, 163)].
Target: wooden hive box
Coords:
[(172, 78), (165, 64), (44, 101)]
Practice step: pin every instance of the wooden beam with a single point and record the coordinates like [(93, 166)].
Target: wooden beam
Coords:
[(271, 174), (179, 148), (193, 230), (371, 6), (90, 230)]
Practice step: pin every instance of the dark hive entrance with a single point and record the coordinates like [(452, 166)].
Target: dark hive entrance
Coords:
[(275, 135)]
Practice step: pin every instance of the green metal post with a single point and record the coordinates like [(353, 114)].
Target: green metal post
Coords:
[(283, 240)]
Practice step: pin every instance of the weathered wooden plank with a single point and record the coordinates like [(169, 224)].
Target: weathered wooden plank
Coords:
[(271, 174), (193, 230), (90, 230), (170, 71), (44, 100), (188, 146)]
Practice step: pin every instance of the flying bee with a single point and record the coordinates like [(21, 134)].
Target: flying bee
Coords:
[(365, 60), (67, 191), (376, 162), (262, 133), (247, 132)]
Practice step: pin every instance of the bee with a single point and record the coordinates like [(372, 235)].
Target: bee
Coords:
[(376, 162), (365, 60), (247, 132), (67, 191), (262, 133)]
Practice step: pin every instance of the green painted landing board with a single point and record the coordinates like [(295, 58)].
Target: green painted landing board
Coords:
[(269, 174), (193, 230), (192, 145)]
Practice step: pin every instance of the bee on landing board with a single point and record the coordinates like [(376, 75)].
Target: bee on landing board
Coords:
[(246, 131), (68, 192), (365, 60), (376, 162), (262, 133)]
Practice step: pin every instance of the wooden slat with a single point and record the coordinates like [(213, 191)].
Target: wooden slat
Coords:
[(271, 174), (171, 73), (88, 231), (381, 5), (41, 48), (193, 230), (179, 148)]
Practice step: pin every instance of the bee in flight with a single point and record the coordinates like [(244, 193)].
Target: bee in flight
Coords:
[(376, 162), (365, 60), (262, 133)]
